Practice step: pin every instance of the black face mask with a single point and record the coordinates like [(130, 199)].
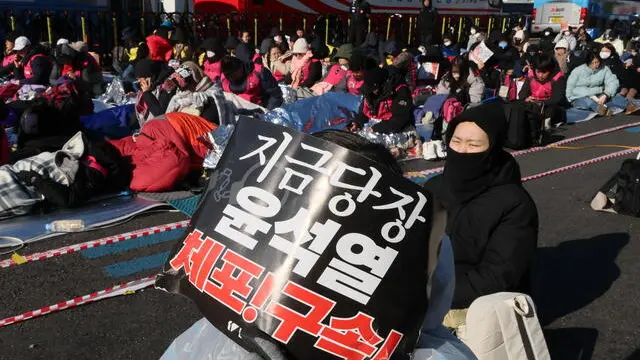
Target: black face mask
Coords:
[(467, 175)]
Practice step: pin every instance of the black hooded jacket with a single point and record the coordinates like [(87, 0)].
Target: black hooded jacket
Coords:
[(493, 222), (427, 18)]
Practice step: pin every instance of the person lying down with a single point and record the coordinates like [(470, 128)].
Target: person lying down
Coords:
[(68, 177)]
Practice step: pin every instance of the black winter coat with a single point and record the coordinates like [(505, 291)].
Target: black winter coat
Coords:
[(494, 238), (427, 19)]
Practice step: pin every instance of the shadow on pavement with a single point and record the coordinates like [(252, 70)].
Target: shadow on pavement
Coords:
[(571, 343), (571, 275)]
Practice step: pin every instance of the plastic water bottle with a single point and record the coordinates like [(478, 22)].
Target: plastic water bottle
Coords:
[(12, 137), (65, 226)]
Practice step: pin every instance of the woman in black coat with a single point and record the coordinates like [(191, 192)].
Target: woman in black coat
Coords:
[(628, 79), (493, 222)]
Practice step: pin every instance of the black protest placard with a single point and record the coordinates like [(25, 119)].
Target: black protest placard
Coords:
[(309, 244)]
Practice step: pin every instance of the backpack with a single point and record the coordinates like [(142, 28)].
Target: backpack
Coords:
[(451, 108), (505, 326), (525, 125), (621, 194)]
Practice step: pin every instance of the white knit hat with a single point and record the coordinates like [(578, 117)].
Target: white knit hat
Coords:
[(62, 41), (562, 44), (300, 46)]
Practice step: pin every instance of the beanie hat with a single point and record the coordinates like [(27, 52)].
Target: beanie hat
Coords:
[(62, 41), (562, 44), (163, 32), (300, 46), (245, 52), (147, 68), (490, 117), (79, 46)]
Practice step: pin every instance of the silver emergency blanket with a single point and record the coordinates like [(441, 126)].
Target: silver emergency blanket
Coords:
[(289, 94), (115, 94), (217, 142), (403, 140)]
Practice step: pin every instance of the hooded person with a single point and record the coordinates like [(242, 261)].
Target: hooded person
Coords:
[(153, 98), (426, 22), (74, 64), (387, 101), (251, 82), (213, 53), (546, 40), (492, 219), (449, 47), (360, 11), (305, 70), (567, 35)]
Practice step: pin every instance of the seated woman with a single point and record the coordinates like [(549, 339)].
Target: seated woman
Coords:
[(449, 48), (251, 82), (628, 79), (387, 101), (79, 66), (462, 83), (153, 98), (544, 88), (493, 222), (305, 70), (591, 85), (276, 62)]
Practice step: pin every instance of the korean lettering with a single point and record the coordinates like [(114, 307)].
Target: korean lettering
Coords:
[(240, 225), (401, 228), (318, 238)]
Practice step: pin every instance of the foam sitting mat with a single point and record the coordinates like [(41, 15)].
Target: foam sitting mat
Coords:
[(186, 206), (98, 213)]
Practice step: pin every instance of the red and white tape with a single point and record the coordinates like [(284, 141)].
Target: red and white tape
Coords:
[(95, 243), (537, 149), (117, 290), (581, 164)]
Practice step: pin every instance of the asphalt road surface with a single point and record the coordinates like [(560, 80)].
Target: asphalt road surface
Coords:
[(586, 278)]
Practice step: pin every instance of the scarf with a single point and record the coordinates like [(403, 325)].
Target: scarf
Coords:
[(296, 68)]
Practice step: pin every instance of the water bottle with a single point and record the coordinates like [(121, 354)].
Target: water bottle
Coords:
[(12, 137), (65, 226)]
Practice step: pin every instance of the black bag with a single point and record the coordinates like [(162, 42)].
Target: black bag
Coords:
[(621, 193), (627, 192), (525, 125)]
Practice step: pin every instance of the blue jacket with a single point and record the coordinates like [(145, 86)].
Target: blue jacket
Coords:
[(584, 82)]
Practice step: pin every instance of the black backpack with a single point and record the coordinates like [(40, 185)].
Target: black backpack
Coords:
[(525, 125), (627, 191)]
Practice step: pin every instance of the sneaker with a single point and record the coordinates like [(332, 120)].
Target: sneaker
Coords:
[(429, 151), (631, 108), (603, 110), (440, 150), (427, 118)]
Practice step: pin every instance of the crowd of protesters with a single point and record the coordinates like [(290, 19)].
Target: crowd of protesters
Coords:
[(448, 82)]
